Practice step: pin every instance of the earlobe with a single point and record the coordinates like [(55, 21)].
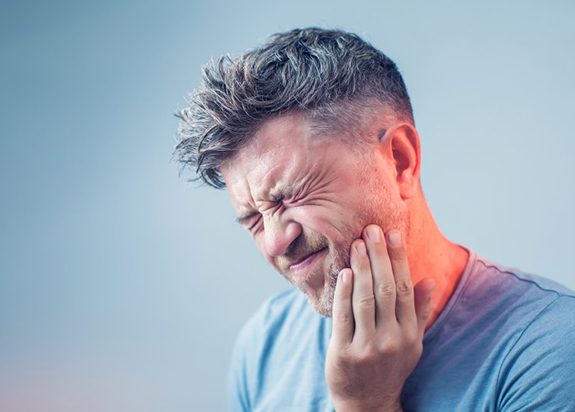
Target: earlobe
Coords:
[(406, 153)]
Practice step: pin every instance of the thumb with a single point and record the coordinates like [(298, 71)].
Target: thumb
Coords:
[(423, 291)]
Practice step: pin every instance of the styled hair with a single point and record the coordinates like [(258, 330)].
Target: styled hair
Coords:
[(330, 76)]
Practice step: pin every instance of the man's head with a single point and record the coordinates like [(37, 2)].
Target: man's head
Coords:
[(312, 134)]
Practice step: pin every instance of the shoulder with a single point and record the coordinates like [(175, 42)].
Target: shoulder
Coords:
[(540, 357), (521, 296), (497, 298), (518, 277), (528, 302)]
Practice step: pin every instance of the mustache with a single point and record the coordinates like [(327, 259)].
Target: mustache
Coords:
[(300, 249)]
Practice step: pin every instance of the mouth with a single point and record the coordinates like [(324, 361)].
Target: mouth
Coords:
[(302, 266)]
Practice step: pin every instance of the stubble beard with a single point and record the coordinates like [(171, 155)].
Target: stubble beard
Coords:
[(319, 285), (381, 205), (323, 303), (321, 299)]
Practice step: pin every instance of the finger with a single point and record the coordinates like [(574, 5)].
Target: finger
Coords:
[(423, 293), (405, 307), (363, 301), (342, 311), (383, 280)]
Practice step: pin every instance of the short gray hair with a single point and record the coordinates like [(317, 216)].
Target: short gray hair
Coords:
[(325, 74)]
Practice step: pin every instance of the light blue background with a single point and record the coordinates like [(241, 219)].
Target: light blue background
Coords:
[(122, 287)]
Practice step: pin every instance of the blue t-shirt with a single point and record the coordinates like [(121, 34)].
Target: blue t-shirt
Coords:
[(505, 341)]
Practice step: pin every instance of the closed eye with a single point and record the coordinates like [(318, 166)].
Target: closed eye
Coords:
[(249, 221), (244, 219), (254, 224)]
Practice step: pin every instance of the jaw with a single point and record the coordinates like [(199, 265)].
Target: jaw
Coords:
[(319, 290)]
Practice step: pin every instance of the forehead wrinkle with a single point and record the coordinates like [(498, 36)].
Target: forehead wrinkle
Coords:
[(277, 181), (279, 165)]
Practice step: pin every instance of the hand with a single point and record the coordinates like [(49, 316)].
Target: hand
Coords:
[(378, 323)]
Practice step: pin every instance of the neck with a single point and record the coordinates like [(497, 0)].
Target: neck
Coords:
[(432, 255)]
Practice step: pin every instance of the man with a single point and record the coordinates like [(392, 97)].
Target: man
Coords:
[(314, 137)]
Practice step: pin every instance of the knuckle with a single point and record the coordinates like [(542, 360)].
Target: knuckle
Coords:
[(345, 358), (417, 349), (386, 289), (390, 347), (366, 302), (425, 313), (344, 317), (410, 338), (404, 287), (366, 356)]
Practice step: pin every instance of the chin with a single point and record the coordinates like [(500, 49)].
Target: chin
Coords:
[(322, 300), (323, 308), (319, 287)]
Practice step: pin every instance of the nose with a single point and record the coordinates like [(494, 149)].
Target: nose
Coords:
[(279, 234)]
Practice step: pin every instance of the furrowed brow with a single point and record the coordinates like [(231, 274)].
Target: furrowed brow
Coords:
[(279, 193), (275, 195)]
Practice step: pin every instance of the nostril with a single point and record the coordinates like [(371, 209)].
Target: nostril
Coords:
[(280, 236)]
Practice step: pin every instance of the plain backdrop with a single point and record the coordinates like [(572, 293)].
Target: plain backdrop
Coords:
[(123, 286)]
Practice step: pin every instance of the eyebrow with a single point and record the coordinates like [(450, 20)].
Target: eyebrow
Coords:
[(276, 195), (279, 193)]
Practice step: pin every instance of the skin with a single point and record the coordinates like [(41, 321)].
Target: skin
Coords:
[(342, 201)]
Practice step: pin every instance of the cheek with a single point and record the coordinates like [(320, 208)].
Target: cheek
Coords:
[(259, 238), (337, 222)]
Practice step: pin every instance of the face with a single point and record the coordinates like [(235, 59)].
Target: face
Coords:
[(305, 197)]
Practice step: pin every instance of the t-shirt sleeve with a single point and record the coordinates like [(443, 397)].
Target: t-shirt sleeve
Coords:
[(538, 374)]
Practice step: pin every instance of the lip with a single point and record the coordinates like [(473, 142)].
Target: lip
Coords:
[(307, 262)]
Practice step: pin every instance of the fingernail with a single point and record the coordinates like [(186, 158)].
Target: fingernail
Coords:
[(360, 247), (374, 233), (394, 238)]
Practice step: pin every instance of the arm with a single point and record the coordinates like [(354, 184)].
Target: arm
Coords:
[(378, 325)]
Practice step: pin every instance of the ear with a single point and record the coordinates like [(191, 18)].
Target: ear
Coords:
[(403, 140)]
